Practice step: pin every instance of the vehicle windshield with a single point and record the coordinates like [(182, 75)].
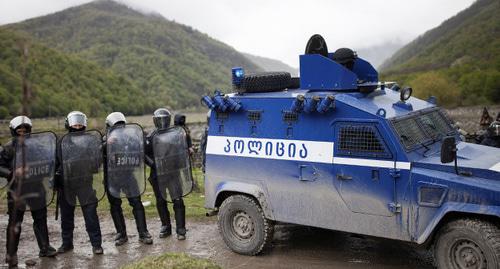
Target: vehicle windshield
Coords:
[(422, 129)]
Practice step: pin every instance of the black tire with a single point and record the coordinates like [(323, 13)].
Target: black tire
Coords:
[(317, 45), (468, 241), (265, 82), (243, 226), (294, 83)]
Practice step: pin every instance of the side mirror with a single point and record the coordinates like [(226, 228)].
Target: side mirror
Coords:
[(448, 149)]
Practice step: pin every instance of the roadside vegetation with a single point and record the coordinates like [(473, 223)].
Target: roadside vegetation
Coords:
[(172, 260)]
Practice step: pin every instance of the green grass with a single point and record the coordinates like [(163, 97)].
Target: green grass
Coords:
[(172, 260), (194, 201)]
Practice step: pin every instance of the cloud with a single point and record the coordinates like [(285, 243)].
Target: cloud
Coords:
[(280, 29)]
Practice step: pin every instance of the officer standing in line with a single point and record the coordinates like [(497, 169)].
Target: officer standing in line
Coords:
[(180, 120), (79, 160), (20, 127), (161, 119), (492, 136), (123, 181)]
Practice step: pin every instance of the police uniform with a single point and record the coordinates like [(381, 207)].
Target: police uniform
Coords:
[(16, 210), (161, 203), (81, 189)]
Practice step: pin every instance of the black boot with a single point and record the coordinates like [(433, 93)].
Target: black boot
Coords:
[(180, 218), (42, 233), (146, 238), (161, 206), (97, 250), (48, 251), (142, 229), (120, 239), (11, 261), (119, 221), (121, 230), (65, 248), (165, 231)]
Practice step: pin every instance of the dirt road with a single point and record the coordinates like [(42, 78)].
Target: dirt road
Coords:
[(293, 247)]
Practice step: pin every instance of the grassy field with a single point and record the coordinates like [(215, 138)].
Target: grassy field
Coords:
[(194, 201), (172, 260), (57, 124)]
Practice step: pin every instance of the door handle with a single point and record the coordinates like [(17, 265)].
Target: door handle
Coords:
[(343, 177)]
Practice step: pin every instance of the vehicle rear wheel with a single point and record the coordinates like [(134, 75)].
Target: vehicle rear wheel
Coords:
[(468, 243), (243, 226)]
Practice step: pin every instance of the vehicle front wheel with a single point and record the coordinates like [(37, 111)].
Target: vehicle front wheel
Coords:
[(468, 244), (243, 226)]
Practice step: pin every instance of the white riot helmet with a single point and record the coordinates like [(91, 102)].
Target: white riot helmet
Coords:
[(20, 121), (74, 118), (114, 118)]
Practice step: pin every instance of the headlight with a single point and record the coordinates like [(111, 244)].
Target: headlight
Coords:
[(405, 93)]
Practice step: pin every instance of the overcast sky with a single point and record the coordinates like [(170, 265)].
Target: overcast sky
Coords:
[(280, 29)]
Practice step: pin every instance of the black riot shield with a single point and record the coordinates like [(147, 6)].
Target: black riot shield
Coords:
[(173, 168), (125, 173), (82, 169), (34, 169)]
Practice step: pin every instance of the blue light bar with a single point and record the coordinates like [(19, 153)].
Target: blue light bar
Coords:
[(238, 75)]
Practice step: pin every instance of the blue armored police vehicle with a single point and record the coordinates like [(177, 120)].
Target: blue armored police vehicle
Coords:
[(337, 149)]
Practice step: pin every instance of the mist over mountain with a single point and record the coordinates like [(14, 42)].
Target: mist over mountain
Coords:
[(377, 54), (268, 64)]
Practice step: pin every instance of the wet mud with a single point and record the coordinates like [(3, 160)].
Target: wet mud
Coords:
[(292, 247)]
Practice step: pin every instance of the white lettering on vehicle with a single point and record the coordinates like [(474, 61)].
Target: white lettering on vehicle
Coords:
[(277, 149), (292, 150)]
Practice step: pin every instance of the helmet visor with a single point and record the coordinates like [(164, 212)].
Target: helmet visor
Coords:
[(162, 122), (77, 119)]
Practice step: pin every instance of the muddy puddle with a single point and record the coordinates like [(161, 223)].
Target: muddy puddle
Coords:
[(293, 247)]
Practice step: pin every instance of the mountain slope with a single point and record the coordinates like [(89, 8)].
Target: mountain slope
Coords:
[(169, 61), (270, 65), (459, 60), (61, 83), (377, 54)]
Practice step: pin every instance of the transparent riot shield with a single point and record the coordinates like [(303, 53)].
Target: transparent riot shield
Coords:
[(173, 168), (3, 175), (82, 169), (34, 169), (125, 173)]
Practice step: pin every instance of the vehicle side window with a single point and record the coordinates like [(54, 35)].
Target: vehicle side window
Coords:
[(361, 140)]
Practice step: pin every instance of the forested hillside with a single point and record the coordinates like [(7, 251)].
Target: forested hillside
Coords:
[(61, 83), (173, 63), (458, 62)]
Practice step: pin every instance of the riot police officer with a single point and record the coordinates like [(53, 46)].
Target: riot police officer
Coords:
[(492, 136), (169, 180), (20, 128), (123, 181), (79, 159), (180, 120)]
